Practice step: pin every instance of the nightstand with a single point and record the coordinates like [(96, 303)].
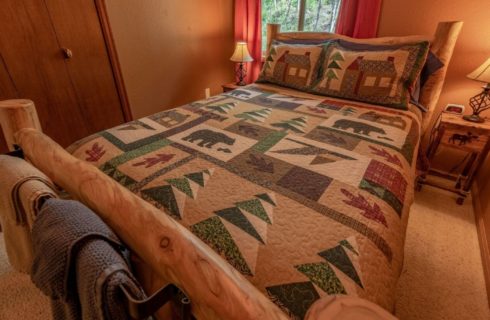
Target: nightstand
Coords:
[(454, 132), (230, 86)]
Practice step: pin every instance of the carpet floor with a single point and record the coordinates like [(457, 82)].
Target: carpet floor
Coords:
[(442, 277)]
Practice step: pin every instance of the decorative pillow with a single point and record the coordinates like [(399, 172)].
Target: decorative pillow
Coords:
[(292, 65), (383, 76)]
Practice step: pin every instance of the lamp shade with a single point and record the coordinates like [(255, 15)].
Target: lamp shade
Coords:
[(482, 73), (241, 53)]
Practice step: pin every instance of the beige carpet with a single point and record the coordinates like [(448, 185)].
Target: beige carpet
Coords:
[(19, 298), (442, 277)]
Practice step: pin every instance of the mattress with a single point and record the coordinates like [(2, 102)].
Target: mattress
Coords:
[(305, 195)]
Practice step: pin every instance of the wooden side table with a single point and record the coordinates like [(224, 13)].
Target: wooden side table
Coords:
[(474, 138), (230, 86)]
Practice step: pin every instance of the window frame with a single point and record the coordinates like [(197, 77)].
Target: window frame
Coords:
[(302, 17)]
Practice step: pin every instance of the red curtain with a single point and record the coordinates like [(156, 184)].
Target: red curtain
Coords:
[(359, 18), (248, 27)]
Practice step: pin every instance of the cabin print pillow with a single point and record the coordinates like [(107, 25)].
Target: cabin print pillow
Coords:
[(292, 65), (383, 77)]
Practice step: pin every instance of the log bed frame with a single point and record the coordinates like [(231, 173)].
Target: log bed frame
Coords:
[(168, 250)]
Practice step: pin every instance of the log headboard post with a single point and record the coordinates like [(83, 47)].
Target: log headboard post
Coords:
[(16, 115), (272, 30), (442, 46)]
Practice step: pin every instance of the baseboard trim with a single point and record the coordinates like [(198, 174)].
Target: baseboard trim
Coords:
[(482, 237)]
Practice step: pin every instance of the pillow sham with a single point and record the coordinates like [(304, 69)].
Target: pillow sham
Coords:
[(292, 65), (383, 76), (432, 63)]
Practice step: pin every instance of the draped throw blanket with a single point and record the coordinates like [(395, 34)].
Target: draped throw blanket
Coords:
[(80, 263), (359, 18), (23, 189), (248, 28)]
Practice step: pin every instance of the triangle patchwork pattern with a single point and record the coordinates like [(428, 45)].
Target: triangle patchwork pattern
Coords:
[(214, 233), (339, 258), (236, 217), (117, 175), (172, 197), (323, 276), (248, 247), (346, 244), (259, 225), (163, 197), (181, 184), (197, 177), (268, 197), (321, 160), (294, 298), (254, 207)]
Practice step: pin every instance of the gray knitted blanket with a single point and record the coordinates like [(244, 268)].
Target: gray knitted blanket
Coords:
[(80, 263)]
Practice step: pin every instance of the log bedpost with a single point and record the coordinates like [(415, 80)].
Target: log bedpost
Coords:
[(16, 115), (272, 30), (442, 46)]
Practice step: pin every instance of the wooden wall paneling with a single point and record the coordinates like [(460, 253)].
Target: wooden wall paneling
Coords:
[(3, 144), (31, 51), (483, 227), (78, 29), (7, 87), (7, 91)]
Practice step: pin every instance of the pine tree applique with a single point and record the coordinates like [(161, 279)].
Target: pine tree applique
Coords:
[(223, 108), (332, 67), (259, 115), (348, 111), (297, 125), (270, 59), (214, 233), (172, 196), (392, 158), (328, 278), (323, 276), (369, 211), (339, 258), (237, 232), (95, 152), (151, 161)]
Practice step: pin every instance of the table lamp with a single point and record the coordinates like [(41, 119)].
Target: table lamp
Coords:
[(241, 55), (481, 101)]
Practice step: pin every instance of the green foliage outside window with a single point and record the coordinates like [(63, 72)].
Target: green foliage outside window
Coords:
[(319, 15)]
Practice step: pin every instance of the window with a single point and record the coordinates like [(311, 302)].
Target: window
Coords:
[(299, 15)]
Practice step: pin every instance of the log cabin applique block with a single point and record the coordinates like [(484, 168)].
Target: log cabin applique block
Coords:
[(384, 77), (294, 66)]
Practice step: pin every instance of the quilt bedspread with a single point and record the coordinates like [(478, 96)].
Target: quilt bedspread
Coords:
[(305, 195)]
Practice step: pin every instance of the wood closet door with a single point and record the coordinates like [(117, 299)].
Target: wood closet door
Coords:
[(74, 97), (78, 28)]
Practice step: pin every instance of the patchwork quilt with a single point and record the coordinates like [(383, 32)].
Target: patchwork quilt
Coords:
[(306, 196)]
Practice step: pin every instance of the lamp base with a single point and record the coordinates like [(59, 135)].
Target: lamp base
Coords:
[(474, 118), (241, 73)]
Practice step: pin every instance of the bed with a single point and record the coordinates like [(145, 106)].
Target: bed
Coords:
[(257, 202)]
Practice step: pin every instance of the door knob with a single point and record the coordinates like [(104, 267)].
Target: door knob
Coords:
[(67, 53)]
